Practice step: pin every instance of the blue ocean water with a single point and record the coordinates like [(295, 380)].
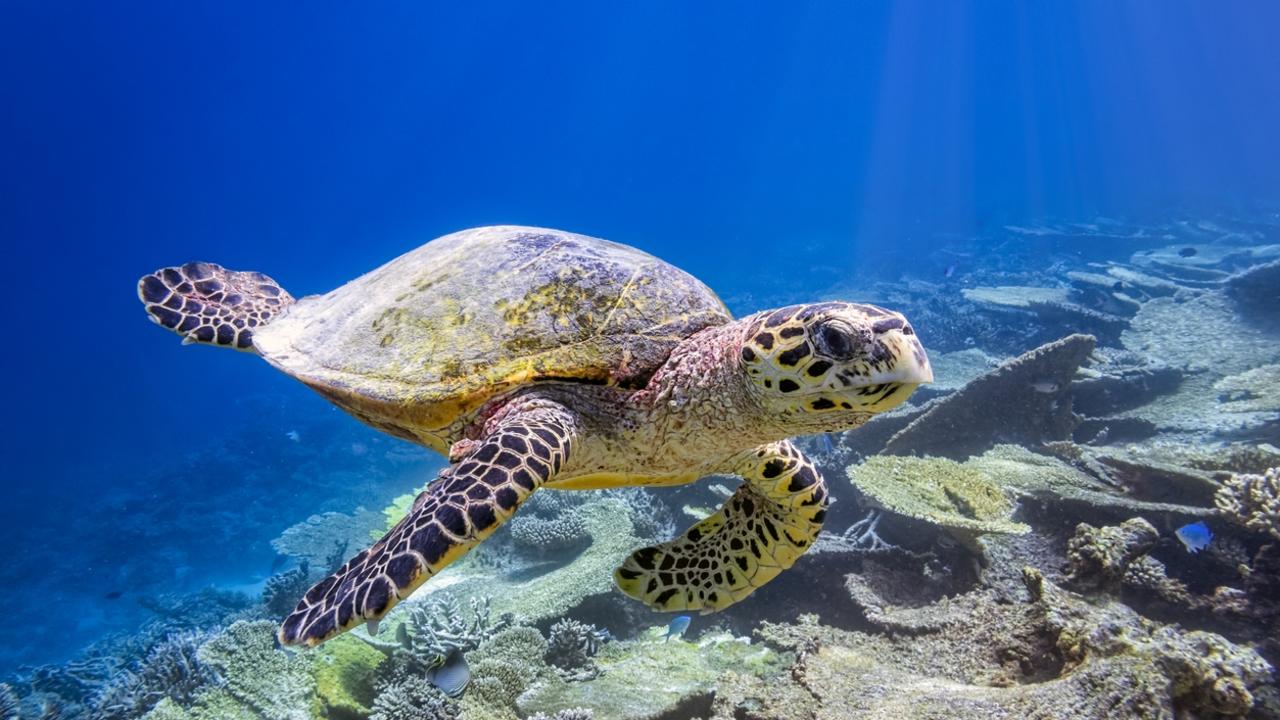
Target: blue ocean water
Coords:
[(777, 152)]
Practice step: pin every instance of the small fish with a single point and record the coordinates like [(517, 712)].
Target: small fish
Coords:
[(293, 435), (453, 676), (113, 595), (1195, 536), (677, 627), (1046, 386), (1187, 252)]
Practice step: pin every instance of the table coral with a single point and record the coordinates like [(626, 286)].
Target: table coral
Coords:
[(1026, 399), (939, 491)]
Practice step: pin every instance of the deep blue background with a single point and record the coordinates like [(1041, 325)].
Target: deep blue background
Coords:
[(742, 141)]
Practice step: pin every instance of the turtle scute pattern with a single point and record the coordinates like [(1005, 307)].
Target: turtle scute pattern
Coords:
[(459, 510), (768, 523), (209, 304)]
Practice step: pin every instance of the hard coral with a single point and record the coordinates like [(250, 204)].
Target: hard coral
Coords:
[(1025, 399), (408, 696), (8, 703), (172, 669), (438, 628), (938, 491), (1252, 501), (547, 536), (570, 647), (1099, 557), (257, 674)]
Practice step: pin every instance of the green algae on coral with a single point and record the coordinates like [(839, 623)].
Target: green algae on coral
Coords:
[(346, 671), (938, 491)]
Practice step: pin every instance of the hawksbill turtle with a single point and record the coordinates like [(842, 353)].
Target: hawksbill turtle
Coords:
[(536, 358)]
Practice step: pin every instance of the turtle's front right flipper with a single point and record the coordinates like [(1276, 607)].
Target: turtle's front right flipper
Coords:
[(462, 507), (209, 304)]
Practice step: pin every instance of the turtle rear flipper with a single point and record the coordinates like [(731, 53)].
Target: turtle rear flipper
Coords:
[(462, 507), (759, 532), (209, 304)]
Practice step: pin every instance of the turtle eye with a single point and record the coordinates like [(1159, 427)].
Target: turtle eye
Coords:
[(834, 341)]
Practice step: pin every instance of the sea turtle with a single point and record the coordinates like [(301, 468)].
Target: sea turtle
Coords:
[(537, 358)]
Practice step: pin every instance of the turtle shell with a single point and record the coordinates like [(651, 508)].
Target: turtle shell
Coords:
[(415, 344)]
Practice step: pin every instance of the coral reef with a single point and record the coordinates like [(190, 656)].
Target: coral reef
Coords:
[(648, 678), (1057, 656), (1253, 501), (320, 539), (263, 680), (544, 536), (1252, 391), (901, 599), (651, 519), (1029, 391), (570, 647), (939, 491), (348, 674), (428, 632), (503, 667), (1253, 291), (1051, 481), (569, 714), (1100, 557), (1052, 308), (172, 669), (407, 696), (282, 591), (8, 703)]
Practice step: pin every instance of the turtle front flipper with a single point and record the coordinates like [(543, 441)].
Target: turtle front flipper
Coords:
[(759, 532), (462, 507), (209, 304)]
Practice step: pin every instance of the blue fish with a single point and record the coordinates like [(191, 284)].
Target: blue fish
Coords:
[(1195, 536), (677, 627)]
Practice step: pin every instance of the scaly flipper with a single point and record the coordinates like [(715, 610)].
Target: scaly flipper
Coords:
[(462, 507), (207, 303), (759, 532)]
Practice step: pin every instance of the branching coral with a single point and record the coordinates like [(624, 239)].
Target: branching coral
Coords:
[(257, 674), (651, 518), (1252, 501), (171, 669), (8, 703), (439, 628), (282, 591), (408, 696), (501, 669), (570, 647)]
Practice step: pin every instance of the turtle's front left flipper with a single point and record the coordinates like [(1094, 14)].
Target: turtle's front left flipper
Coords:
[(462, 507), (768, 523)]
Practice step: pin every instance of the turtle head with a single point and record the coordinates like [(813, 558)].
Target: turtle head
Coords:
[(830, 366)]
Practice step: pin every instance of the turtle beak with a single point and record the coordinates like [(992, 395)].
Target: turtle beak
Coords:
[(887, 388), (911, 365)]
